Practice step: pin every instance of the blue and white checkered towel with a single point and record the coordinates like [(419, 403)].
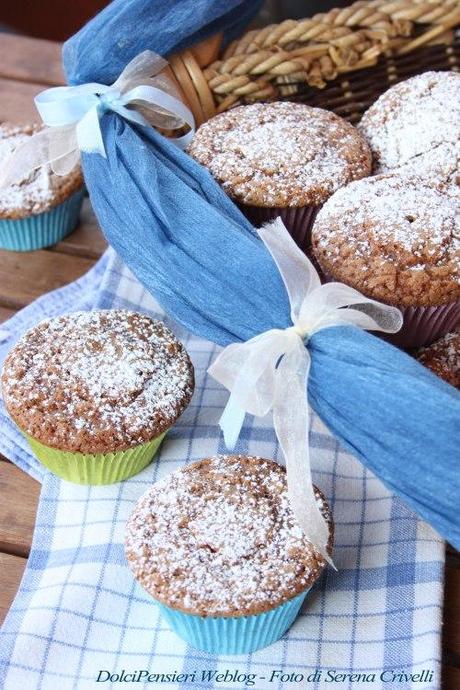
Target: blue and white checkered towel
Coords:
[(79, 613)]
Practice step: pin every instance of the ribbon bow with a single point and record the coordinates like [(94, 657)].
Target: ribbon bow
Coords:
[(270, 371), (72, 115)]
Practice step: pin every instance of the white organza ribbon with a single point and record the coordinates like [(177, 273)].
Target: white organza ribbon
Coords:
[(72, 113), (270, 371)]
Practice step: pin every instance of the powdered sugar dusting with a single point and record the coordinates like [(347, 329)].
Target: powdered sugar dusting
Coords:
[(33, 192), (440, 166), (219, 538), (414, 218), (37, 192), (399, 238), (97, 381), (416, 125), (281, 154), (443, 357)]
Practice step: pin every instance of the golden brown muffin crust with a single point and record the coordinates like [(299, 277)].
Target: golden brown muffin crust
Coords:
[(218, 538), (97, 382), (394, 239), (443, 358), (281, 154), (415, 127), (40, 191)]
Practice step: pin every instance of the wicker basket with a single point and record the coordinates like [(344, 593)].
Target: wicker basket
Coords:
[(343, 59)]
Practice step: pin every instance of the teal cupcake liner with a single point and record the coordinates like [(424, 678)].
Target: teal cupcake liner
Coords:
[(97, 468), (237, 635), (42, 229)]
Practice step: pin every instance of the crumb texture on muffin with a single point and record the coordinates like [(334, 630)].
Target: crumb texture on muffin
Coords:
[(443, 358), (218, 538), (281, 154), (440, 167), (42, 189), (98, 381), (415, 127), (394, 239)]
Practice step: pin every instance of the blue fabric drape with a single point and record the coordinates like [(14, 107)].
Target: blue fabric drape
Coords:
[(104, 46), (192, 248)]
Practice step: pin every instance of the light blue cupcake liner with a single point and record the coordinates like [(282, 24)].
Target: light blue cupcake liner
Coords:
[(42, 229), (238, 635)]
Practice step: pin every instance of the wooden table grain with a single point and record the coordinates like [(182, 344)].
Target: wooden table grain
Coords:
[(27, 66)]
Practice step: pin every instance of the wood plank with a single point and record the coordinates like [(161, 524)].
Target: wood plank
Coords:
[(450, 678), (17, 102), (5, 313), (24, 276), (87, 240), (11, 568), (18, 506), (453, 559), (53, 19), (31, 59), (451, 631)]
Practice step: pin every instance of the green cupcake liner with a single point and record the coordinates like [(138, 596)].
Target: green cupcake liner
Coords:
[(234, 635), (97, 468), (42, 229)]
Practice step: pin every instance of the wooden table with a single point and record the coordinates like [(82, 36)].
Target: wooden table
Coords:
[(29, 65)]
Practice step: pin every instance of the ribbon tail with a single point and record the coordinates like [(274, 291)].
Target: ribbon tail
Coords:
[(65, 164), (333, 304), (89, 135), (63, 149), (55, 146), (160, 109), (183, 141), (138, 118), (298, 273), (141, 67), (247, 370), (231, 422), (291, 422)]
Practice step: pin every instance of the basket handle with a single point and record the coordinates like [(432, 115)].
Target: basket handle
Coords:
[(265, 63)]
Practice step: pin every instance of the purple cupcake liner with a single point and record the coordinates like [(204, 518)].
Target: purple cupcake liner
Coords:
[(422, 326), (298, 220)]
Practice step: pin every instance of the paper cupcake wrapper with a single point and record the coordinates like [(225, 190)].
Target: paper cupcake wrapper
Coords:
[(238, 635), (298, 221), (97, 468), (42, 229), (424, 325)]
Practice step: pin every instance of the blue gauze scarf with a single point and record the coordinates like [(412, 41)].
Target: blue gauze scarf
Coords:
[(192, 248)]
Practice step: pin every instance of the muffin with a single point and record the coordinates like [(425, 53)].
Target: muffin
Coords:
[(95, 392), (443, 358), (218, 548), (41, 209), (440, 167), (396, 240), (281, 159), (414, 127)]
